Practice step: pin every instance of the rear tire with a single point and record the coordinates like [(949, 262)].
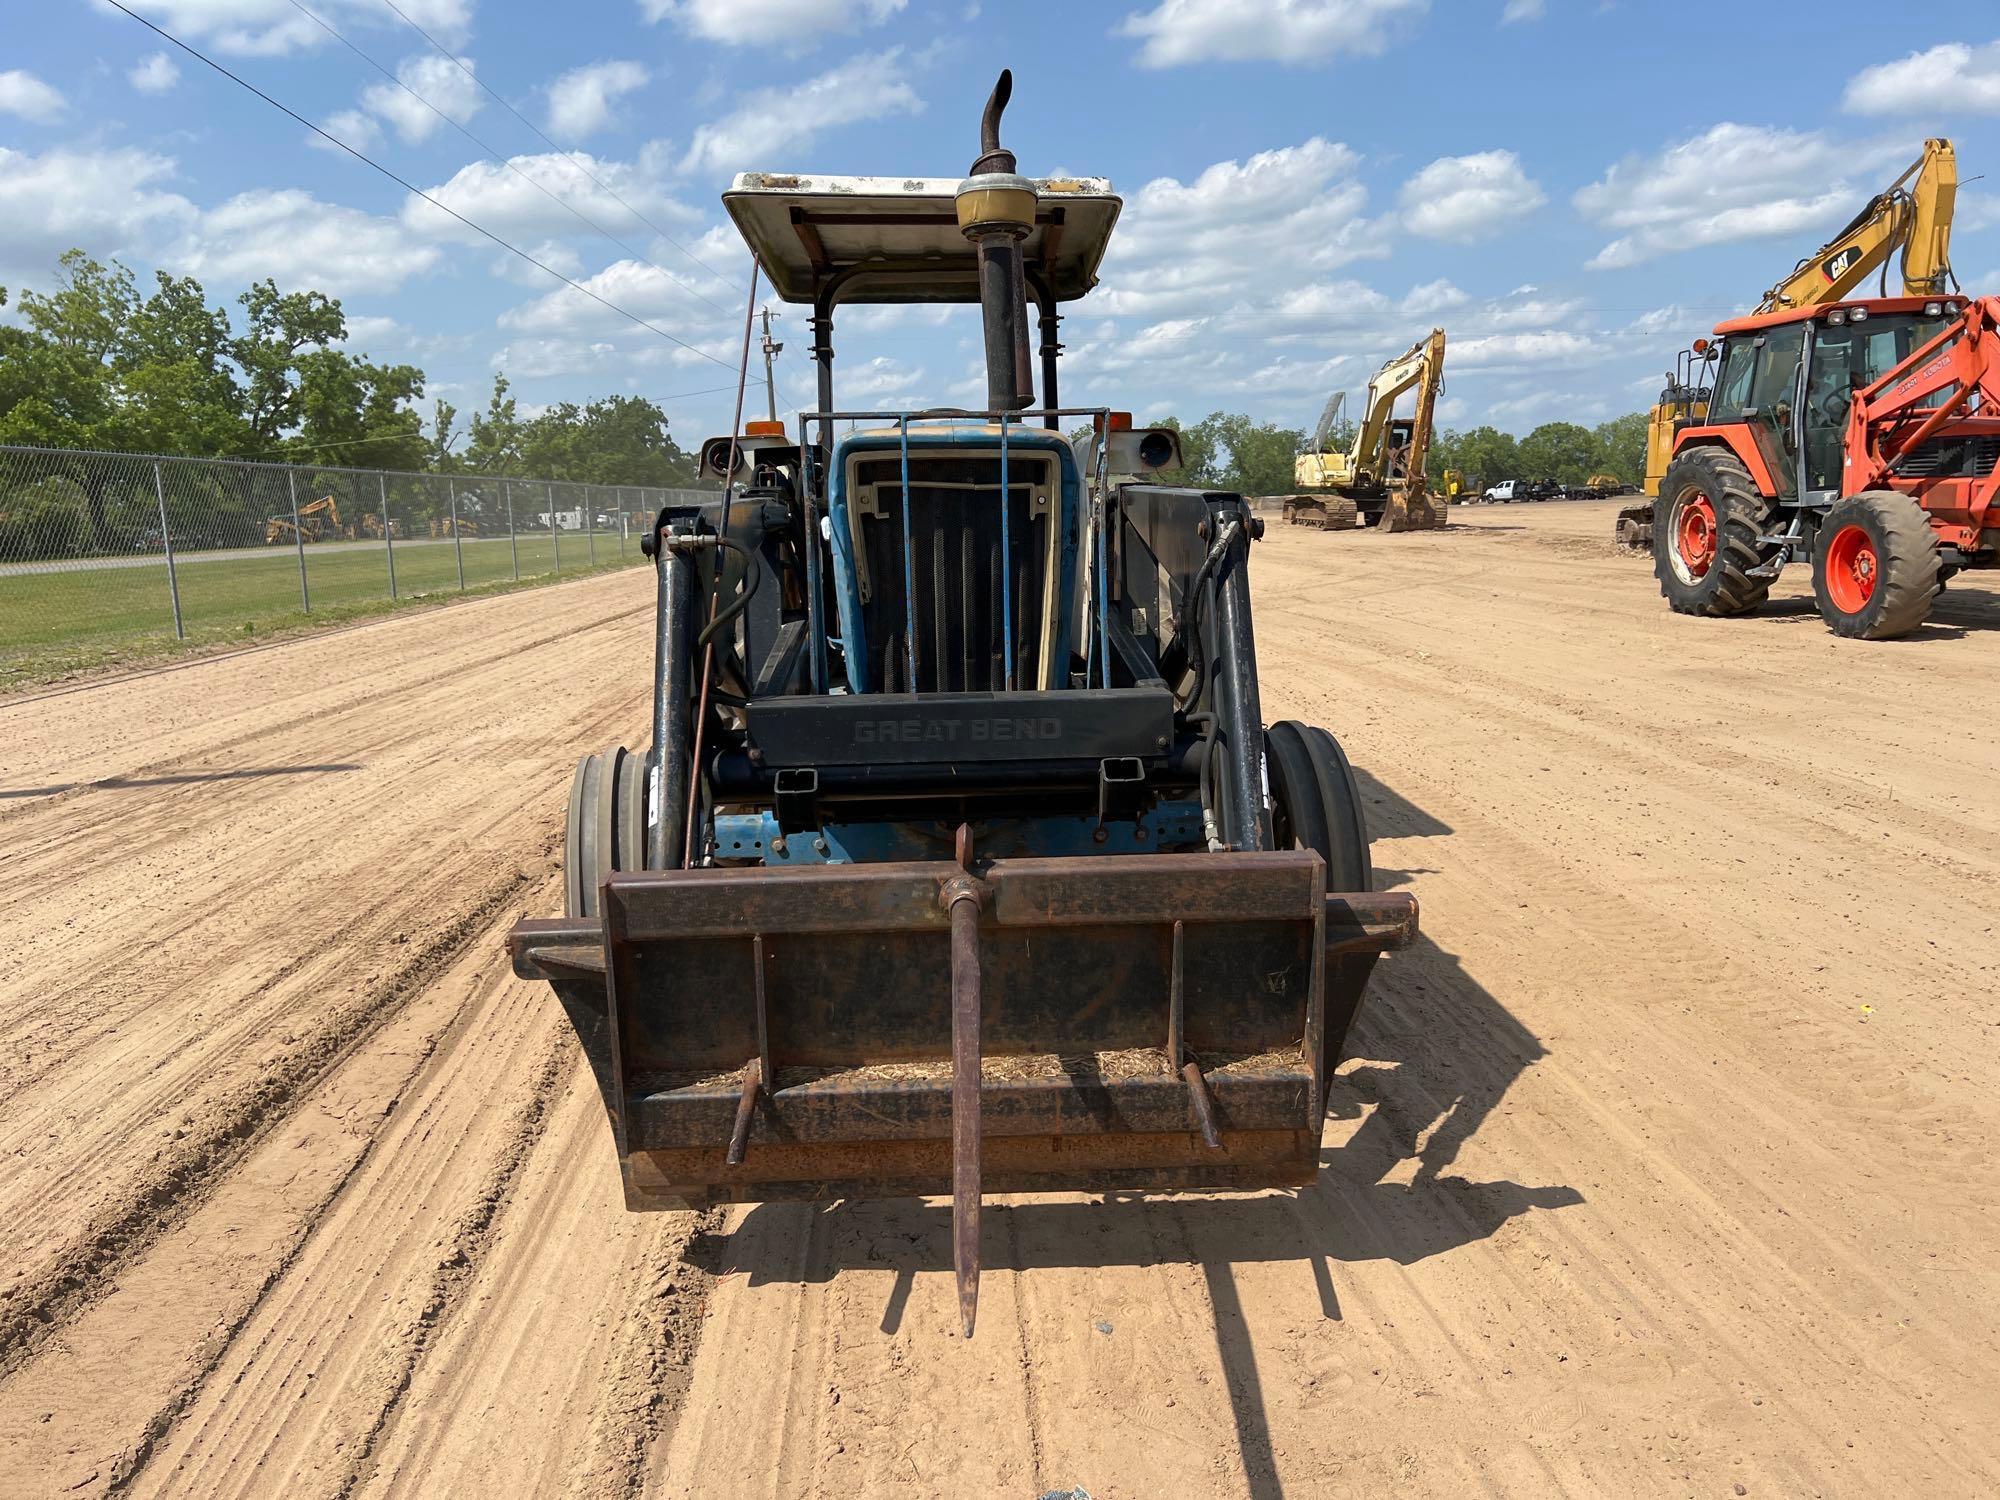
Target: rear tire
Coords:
[(1706, 529), (1317, 805), (1875, 566)]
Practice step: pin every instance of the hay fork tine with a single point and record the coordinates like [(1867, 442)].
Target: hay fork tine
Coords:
[(964, 897)]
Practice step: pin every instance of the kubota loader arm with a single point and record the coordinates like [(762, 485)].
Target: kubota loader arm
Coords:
[(1915, 218)]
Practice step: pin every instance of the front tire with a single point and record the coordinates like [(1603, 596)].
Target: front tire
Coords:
[(1317, 805), (605, 829), (1707, 529), (1875, 566)]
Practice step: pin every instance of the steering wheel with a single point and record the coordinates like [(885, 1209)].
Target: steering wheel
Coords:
[(1835, 405)]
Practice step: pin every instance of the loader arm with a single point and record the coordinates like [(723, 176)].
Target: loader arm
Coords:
[(1913, 214)]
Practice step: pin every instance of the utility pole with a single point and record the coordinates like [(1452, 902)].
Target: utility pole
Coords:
[(770, 352)]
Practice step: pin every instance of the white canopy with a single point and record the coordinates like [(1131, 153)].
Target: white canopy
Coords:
[(896, 239)]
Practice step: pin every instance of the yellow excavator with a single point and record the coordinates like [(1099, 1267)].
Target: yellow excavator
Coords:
[(1913, 214), (318, 520), (1380, 478)]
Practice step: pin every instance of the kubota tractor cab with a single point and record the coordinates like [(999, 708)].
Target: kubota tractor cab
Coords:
[(1856, 435)]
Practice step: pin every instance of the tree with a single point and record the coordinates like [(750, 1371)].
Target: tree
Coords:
[(282, 327), (494, 437), (1488, 454), (1622, 441), (1561, 451)]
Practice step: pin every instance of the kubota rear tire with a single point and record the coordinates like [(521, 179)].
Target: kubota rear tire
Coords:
[(1707, 530), (1875, 566), (1317, 805)]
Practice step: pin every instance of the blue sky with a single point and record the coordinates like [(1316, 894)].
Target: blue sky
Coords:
[(1572, 188)]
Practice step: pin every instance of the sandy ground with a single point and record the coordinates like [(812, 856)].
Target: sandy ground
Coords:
[(1662, 1166)]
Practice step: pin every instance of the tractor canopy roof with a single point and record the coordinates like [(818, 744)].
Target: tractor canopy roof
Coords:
[(1876, 307), (897, 239)]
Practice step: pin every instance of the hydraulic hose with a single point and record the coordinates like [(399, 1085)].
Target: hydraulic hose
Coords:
[(727, 614)]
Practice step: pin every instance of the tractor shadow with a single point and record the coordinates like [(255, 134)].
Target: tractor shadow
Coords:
[(1970, 603), (1431, 1057)]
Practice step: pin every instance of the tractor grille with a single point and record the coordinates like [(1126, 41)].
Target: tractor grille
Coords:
[(1963, 457), (955, 557)]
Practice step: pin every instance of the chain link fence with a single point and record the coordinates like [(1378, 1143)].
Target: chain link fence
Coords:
[(100, 551)]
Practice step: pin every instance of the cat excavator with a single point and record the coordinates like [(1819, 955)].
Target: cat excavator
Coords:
[(1380, 478), (1913, 214)]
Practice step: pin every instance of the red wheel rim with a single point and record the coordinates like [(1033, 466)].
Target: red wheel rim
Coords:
[(1851, 569), (1694, 535)]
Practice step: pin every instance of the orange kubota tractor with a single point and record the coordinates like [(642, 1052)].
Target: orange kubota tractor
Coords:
[(1862, 436)]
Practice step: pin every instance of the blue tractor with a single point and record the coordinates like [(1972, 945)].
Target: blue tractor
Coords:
[(962, 858)]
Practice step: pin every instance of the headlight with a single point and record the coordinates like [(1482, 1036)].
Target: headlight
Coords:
[(1858, 314), (1933, 309), (1836, 317)]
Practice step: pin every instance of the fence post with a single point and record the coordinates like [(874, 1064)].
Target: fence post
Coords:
[(167, 541), (513, 536), (590, 521), (457, 545), (299, 540), (555, 527), (388, 540)]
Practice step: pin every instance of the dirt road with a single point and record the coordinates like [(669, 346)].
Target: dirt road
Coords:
[(1662, 1165)]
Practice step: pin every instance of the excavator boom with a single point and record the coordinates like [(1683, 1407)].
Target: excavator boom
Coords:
[(1913, 214)]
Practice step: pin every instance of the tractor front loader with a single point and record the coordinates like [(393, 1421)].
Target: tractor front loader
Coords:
[(962, 859)]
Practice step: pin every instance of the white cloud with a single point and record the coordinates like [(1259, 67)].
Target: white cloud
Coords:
[(506, 199), (1951, 77), (299, 241), (644, 290), (1514, 350), (273, 28), (1732, 182), (108, 202), (357, 128), (581, 100), (155, 74), (23, 94), (1288, 31), (1523, 10), (1464, 197), (365, 327), (1432, 297), (770, 121), (432, 87), (1332, 304), (1239, 234), (789, 23)]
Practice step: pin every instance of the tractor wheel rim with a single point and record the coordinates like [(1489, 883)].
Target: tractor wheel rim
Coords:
[(1694, 535), (1852, 569)]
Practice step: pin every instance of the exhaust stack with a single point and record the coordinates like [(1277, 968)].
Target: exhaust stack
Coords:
[(996, 211)]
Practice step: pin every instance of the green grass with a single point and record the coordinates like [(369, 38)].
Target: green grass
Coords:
[(54, 624)]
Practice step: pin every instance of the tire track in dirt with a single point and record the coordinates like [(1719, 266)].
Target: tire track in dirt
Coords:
[(286, 979)]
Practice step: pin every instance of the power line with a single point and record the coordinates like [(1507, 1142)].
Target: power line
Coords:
[(452, 58), (507, 162), (411, 187)]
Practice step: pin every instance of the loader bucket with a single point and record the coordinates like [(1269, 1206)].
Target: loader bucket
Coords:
[(1151, 1022)]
